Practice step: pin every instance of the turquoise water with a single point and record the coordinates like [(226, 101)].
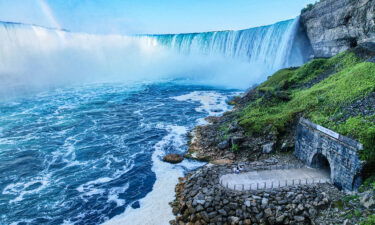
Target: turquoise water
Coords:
[(83, 155)]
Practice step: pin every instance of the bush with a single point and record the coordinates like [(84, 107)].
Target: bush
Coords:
[(369, 221)]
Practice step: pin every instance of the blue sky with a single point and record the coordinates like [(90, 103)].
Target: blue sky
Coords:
[(150, 16)]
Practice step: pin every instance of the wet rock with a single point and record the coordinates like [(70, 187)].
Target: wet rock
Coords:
[(173, 158)]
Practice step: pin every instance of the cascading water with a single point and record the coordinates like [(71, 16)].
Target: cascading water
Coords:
[(32, 56), (84, 146), (270, 47)]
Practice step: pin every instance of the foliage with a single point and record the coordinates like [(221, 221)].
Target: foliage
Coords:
[(235, 148), (369, 221), (351, 79), (368, 184)]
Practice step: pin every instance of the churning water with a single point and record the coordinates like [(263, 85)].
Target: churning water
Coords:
[(85, 119), (82, 155)]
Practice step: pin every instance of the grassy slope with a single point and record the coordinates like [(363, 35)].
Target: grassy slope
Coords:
[(287, 95)]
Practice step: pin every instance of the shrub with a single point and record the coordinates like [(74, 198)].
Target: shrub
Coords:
[(369, 221)]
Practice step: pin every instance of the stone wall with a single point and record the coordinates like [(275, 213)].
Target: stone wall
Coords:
[(200, 199), (341, 152), (334, 26)]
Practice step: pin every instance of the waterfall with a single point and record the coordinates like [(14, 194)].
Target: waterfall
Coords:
[(272, 47), (36, 57)]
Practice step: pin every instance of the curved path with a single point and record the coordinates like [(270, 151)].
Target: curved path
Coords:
[(269, 179)]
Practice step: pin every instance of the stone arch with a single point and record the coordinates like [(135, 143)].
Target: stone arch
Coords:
[(320, 161)]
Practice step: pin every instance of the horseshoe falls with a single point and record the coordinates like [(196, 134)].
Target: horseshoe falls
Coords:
[(86, 119), (269, 48)]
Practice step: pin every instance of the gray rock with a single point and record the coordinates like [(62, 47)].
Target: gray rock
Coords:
[(268, 212), (205, 216), (280, 219), (268, 148), (256, 197), (237, 140), (222, 212), (199, 208), (234, 220), (313, 213), (201, 202), (299, 218), (223, 145), (367, 199), (264, 202), (337, 25)]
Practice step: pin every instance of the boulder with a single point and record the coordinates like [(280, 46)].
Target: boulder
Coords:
[(367, 199), (223, 145), (173, 158), (268, 148)]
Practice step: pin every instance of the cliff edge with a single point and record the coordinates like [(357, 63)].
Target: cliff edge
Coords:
[(334, 26)]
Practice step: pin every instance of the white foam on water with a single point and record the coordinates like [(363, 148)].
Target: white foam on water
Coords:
[(21, 189), (154, 208), (211, 102), (114, 193), (156, 204)]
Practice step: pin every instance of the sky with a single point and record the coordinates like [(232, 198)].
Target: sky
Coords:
[(149, 16)]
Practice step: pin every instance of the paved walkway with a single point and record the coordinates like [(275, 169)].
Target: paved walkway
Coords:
[(268, 179)]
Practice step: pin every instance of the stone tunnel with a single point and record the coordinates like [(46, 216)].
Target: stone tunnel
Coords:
[(336, 155)]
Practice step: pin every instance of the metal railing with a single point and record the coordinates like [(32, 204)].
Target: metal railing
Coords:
[(274, 184)]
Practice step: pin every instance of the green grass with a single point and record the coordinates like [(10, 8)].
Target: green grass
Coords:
[(368, 184), (369, 221), (351, 80)]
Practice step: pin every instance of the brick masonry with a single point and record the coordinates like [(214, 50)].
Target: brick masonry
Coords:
[(316, 142)]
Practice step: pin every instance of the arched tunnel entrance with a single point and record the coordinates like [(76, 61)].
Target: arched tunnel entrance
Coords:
[(321, 162)]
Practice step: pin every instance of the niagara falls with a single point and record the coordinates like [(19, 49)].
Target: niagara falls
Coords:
[(164, 112)]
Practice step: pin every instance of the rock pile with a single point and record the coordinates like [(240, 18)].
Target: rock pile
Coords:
[(202, 200)]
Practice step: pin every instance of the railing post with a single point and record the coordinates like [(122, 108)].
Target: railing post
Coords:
[(243, 187), (257, 186)]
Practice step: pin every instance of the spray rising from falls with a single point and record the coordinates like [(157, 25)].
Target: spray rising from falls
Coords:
[(269, 47), (35, 57)]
